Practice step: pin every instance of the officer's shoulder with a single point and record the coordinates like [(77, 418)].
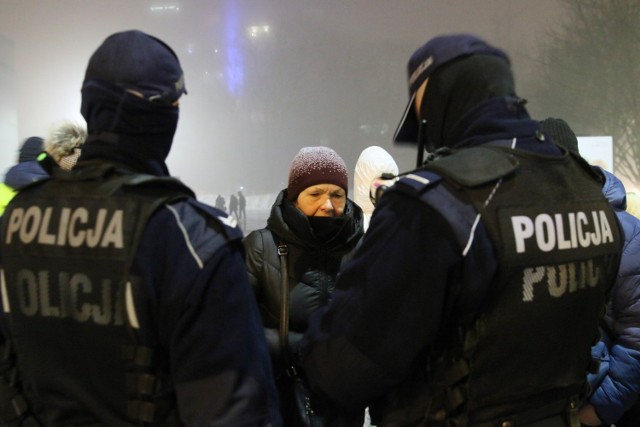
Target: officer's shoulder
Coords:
[(226, 225), (185, 204), (475, 166), (157, 185), (186, 226), (417, 182), (469, 167)]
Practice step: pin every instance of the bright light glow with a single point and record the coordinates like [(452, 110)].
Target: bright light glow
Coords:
[(256, 31), (164, 8)]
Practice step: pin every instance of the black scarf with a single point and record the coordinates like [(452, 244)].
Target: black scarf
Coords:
[(322, 230), (326, 228)]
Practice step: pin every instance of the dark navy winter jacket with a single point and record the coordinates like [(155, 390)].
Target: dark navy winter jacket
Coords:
[(617, 384), (197, 308), (24, 173), (205, 314)]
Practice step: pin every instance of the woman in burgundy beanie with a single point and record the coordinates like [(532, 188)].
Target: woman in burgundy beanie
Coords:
[(316, 165), (320, 227)]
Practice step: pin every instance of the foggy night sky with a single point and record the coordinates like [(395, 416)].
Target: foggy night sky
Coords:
[(327, 72)]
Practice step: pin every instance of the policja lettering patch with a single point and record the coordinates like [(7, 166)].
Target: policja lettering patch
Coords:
[(76, 296), (81, 254), (73, 227), (549, 232), (562, 246)]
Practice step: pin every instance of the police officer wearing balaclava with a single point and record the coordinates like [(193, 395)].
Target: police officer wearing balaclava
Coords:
[(126, 301), (475, 296)]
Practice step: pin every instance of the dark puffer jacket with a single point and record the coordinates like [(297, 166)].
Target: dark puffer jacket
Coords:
[(313, 264)]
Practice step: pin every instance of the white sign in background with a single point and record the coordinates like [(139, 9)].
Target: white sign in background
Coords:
[(597, 150)]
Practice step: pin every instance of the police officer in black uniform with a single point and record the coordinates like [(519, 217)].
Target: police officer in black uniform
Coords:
[(125, 302), (475, 296)]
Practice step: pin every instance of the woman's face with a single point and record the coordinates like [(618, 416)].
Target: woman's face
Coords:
[(322, 200)]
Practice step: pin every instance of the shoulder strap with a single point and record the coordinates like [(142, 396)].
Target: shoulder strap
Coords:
[(283, 252), (474, 166), (283, 331)]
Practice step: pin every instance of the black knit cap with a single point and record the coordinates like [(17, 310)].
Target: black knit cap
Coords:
[(425, 61), (30, 149), (137, 61), (561, 133)]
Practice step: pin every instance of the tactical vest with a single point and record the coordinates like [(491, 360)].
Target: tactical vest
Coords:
[(68, 247), (526, 357)]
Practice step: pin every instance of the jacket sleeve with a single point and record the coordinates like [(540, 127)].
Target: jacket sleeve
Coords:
[(388, 305), (620, 353), (207, 318)]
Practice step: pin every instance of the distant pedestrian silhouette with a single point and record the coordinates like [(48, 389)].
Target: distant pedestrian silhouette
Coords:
[(220, 203), (233, 205), (242, 204)]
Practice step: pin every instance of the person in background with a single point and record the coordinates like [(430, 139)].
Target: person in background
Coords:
[(374, 168), (27, 170), (320, 228), (23, 173), (242, 206), (233, 206), (616, 386), (60, 148), (221, 204), (456, 309), (375, 171), (144, 314), (64, 143)]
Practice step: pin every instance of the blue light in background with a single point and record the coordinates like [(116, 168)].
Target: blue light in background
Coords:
[(233, 48)]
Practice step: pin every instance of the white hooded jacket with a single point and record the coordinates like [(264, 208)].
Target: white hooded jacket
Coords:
[(372, 163)]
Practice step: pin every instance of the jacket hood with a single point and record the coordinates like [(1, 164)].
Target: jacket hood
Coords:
[(498, 118), (457, 88), (372, 163), (290, 224)]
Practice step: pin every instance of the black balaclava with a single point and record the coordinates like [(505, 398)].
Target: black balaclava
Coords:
[(127, 129), (456, 88), (133, 130)]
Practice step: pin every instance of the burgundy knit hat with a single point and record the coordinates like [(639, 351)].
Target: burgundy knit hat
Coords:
[(316, 165)]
